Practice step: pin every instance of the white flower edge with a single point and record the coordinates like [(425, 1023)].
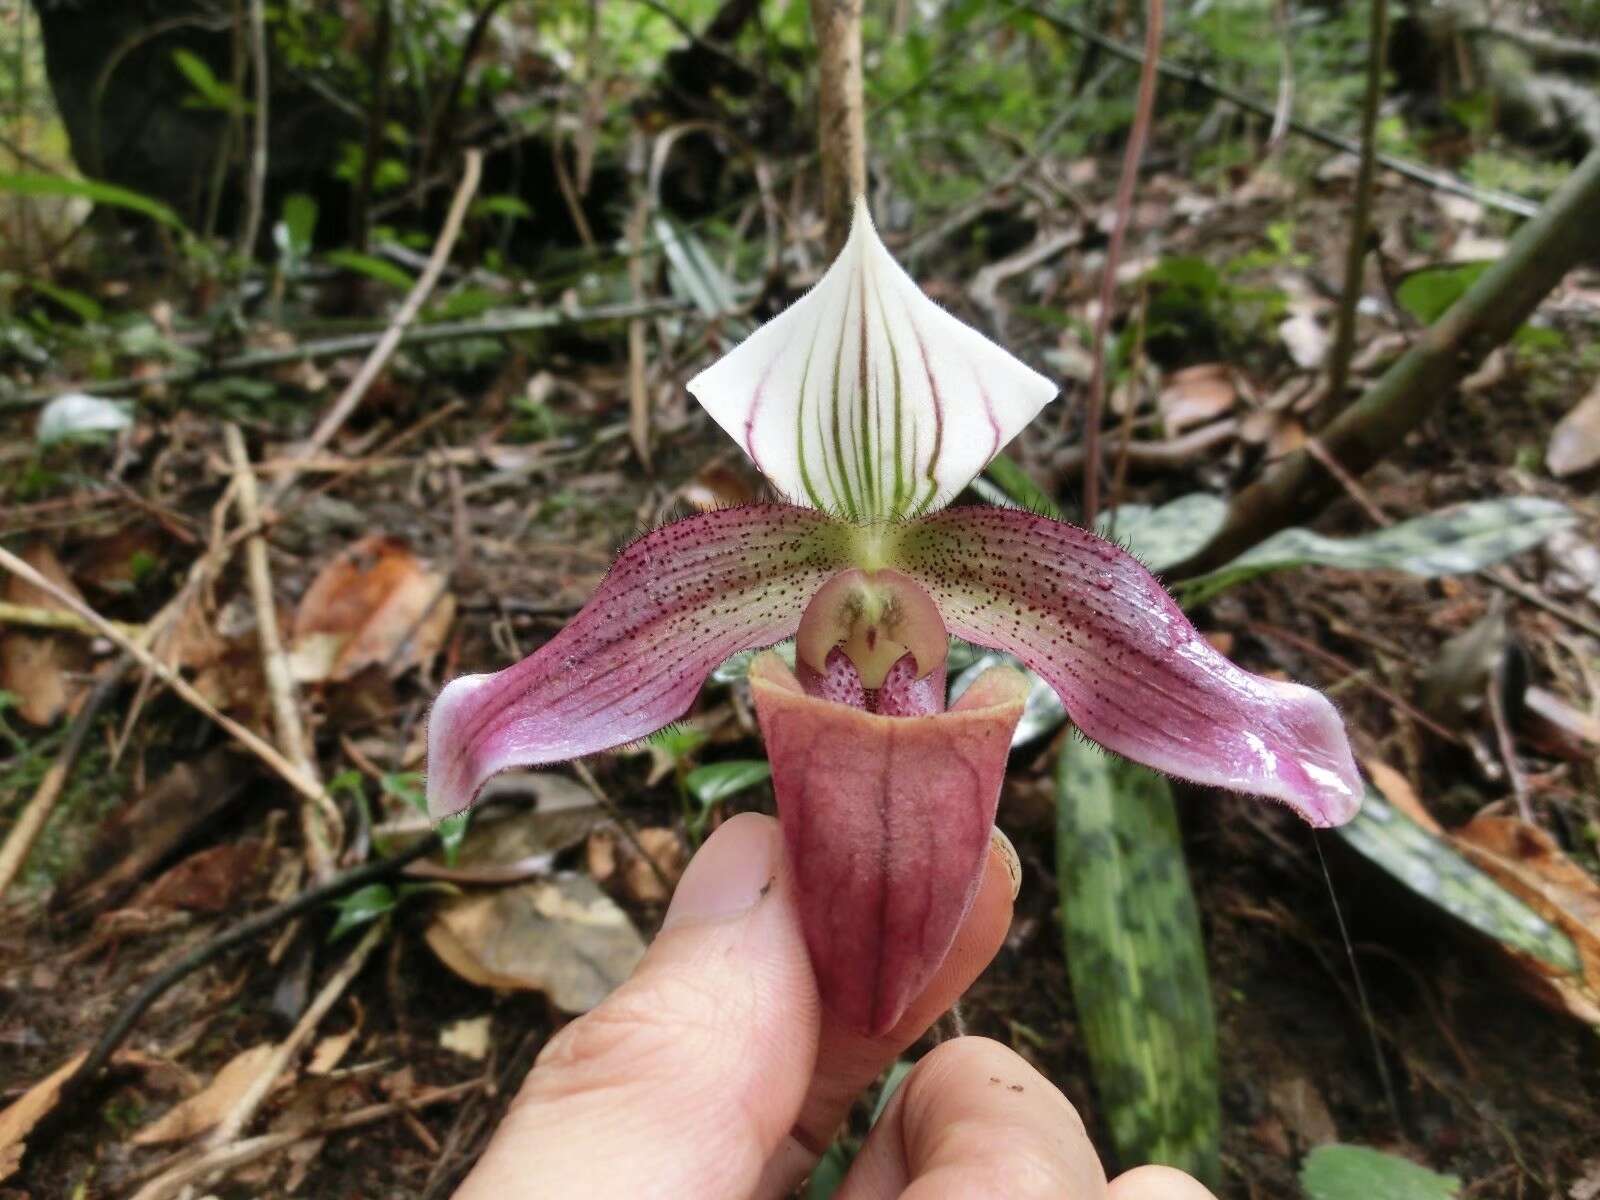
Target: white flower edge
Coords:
[(865, 398)]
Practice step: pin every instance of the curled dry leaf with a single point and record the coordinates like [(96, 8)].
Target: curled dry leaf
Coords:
[(200, 1112), (563, 937), (376, 604), (640, 880), (1575, 441), (18, 1119), (1526, 861), (209, 880), (1196, 395), (44, 672)]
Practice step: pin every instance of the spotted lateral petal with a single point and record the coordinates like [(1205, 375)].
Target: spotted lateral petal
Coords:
[(1133, 673), (865, 398), (677, 602)]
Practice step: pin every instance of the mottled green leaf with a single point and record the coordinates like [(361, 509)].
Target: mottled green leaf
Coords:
[(1455, 541), (1362, 1173), (1426, 865), (1137, 964), (716, 782), (1161, 537), (1042, 714)]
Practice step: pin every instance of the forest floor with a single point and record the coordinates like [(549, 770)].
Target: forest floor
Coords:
[(467, 511)]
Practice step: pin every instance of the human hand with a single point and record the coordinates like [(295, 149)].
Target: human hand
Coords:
[(715, 1074)]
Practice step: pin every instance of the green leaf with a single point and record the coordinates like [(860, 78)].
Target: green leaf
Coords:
[(26, 184), (203, 79), (1136, 960), (299, 223), (504, 205), (371, 266), (409, 787), (1431, 868), (1019, 489), (1162, 537), (361, 907), (716, 782), (1429, 293), (679, 741), (1042, 713), (827, 1177), (85, 308), (693, 274), (1455, 541), (1362, 1173)]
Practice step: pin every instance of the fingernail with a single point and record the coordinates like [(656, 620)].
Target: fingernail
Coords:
[(729, 875), (1008, 853)]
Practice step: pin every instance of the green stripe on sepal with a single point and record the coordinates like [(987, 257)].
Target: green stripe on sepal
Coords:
[(1136, 960)]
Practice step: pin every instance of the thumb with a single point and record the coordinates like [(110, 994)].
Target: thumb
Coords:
[(686, 1078)]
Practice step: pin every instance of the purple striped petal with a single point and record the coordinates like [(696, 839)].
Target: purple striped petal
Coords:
[(1133, 673), (678, 602)]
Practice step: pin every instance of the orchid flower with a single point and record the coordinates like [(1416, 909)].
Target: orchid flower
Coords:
[(870, 408)]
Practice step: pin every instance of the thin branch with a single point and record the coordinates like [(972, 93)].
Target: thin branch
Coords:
[(1344, 337), (247, 930), (19, 841), (320, 821), (356, 389), (361, 201), (437, 146), (1441, 181), (38, 617), (1503, 297), (263, 750), (1131, 158), (256, 187), (502, 325)]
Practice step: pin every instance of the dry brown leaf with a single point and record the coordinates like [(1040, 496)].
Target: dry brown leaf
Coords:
[(1559, 728), (200, 1112), (1575, 441), (1303, 1111), (1527, 862), (18, 1119), (43, 671), (718, 485), (1196, 395), (209, 880), (642, 882), (564, 937), (329, 1051), (468, 1037), (375, 604)]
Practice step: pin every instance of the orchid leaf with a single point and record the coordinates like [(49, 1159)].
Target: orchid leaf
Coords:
[(1136, 960), (1339, 1172), (1426, 865), (716, 782), (695, 276), (865, 398), (1161, 537), (1042, 714), (1454, 541), (362, 906)]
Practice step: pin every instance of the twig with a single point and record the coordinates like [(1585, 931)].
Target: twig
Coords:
[(437, 145), (255, 192), (841, 113), (638, 383), (334, 419), (19, 841), (1173, 452), (1132, 156), (238, 1154), (1344, 336), (377, 113), (1441, 181), (320, 821), (1494, 307), (620, 819), (308, 788), (1284, 107), (1508, 747), (247, 930), (37, 617), (245, 1108)]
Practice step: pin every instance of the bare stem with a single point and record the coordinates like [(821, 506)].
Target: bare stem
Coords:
[(255, 191), (841, 113), (1344, 337)]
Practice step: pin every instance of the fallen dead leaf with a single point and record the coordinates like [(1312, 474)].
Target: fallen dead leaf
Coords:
[(1527, 862), (1575, 441), (1196, 395), (375, 604), (328, 1052), (565, 938), (45, 672), (642, 882), (468, 1037), (200, 1112), (1303, 1111), (1305, 339), (510, 846), (19, 1118), (718, 485), (207, 881)]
